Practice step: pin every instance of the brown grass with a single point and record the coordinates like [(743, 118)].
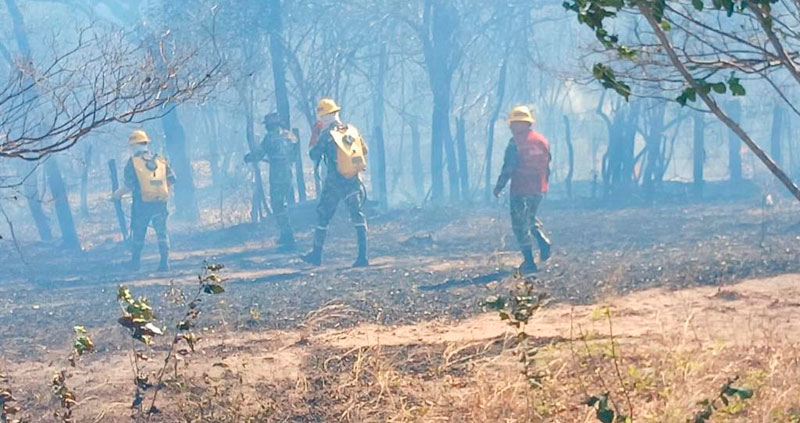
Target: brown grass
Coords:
[(670, 350)]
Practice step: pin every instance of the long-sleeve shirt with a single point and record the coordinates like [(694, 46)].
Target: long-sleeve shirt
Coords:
[(527, 164)]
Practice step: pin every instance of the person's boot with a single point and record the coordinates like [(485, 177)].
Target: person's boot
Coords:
[(544, 244), (163, 265), (135, 262), (361, 235), (528, 266), (315, 256), (286, 241)]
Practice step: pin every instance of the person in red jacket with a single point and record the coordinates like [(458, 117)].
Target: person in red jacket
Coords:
[(527, 165)]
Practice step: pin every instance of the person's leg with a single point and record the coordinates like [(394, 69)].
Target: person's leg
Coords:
[(160, 225), (542, 240), (326, 208), (355, 205), (521, 228), (536, 231), (140, 219), (279, 201)]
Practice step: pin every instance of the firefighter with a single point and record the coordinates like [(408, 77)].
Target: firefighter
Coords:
[(344, 153), (149, 178), (527, 165), (279, 148)]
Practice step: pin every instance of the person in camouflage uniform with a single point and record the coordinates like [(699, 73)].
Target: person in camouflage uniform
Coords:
[(279, 148), (144, 212), (336, 187), (527, 165)]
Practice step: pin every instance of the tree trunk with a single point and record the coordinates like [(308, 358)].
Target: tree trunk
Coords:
[(278, 62), (258, 207), (734, 145), (185, 204), (31, 186), (775, 136), (278, 58), (463, 169), (452, 159), (439, 47), (87, 161), (441, 137), (31, 182), (379, 162), (571, 156), (69, 236), (214, 156), (654, 139), (699, 154), (501, 90), (416, 161), (300, 177)]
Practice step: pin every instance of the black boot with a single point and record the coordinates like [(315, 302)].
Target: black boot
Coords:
[(361, 235), (528, 266), (136, 260), (544, 244), (315, 256), (163, 248), (286, 240)]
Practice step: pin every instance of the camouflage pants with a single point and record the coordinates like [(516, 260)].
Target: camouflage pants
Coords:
[(142, 214), (523, 218), (280, 190), (336, 190)]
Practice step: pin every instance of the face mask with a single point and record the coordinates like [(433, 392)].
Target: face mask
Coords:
[(329, 119), (138, 148)]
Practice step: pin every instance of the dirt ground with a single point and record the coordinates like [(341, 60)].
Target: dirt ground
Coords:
[(407, 339)]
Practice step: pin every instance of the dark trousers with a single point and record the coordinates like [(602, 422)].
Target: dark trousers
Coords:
[(142, 215), (523, 218), (280, 189), (336, 190)]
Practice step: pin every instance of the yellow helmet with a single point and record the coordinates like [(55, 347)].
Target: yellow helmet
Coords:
[(327, 106), (521, 114), (138, 137)]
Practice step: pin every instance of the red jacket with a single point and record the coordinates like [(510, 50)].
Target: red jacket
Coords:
[(527, 164)]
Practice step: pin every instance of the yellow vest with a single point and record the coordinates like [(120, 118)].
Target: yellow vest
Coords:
[(152, 182), (351, 151)]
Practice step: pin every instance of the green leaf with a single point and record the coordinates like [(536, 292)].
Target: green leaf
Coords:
[(213, 289), (605, 415), (736, 87), (698, 4), (744, 393), (719, 87)]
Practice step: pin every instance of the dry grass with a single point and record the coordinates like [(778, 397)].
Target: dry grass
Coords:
[(660, 377), (670, 350)]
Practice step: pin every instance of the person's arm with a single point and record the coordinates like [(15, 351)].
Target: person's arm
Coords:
[(549, 156), (128, 181), (317, 149), (509, 163), (170, 175), (259, 153)]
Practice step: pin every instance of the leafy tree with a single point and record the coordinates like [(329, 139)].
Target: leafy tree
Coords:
[(697, 50)]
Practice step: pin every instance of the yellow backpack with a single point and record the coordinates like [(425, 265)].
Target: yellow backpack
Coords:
[(351, 151), (152, 176)]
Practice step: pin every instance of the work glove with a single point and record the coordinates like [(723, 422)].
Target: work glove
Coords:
[(315, 133), (497, 191), (119, 193)]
